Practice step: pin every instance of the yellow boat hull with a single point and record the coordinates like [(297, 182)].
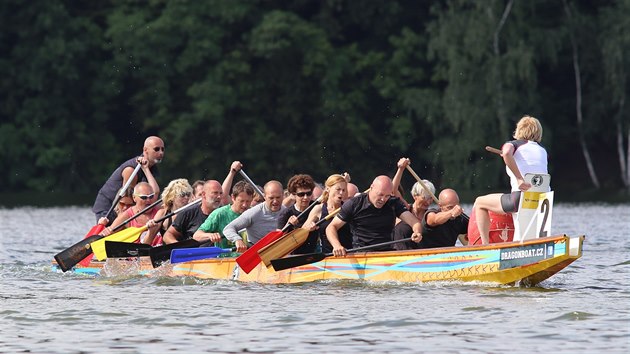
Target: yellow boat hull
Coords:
[(526, 263)]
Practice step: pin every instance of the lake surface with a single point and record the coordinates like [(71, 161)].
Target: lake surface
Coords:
[(583, 309)]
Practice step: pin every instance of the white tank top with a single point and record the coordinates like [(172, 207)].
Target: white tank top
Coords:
[(530, 158)]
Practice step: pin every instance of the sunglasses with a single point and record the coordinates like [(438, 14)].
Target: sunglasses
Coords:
[(145, 196), (304, 194), (160, 148), (128, 205), (184, 195)]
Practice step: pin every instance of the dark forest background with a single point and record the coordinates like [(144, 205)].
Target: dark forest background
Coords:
[(313, 86)]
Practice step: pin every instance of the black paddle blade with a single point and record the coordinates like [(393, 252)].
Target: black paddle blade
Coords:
[(116, 249), (72, 255), (162, 254), (296, 261)]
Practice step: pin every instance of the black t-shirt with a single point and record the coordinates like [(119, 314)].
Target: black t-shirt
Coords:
[(371, 225), (188, 221), (345, 237), (310, 245), (444, 235)]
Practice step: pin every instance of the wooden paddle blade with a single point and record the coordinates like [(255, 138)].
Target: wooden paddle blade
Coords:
[(95, 230), (72, 255), (192, 254), (250, 258), (129, 234), (296, 261), (283, 246), (117, 249), (162, 254)]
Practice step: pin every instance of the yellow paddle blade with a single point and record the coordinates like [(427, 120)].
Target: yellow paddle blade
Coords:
[(129, 234), (283, 246)]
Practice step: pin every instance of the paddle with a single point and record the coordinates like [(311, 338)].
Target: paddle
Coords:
[(494, 150), (303, 259), (74, 254), (289, 242), (250, 258), (130, 234), (192, 254), (98, 228), (252, 183), (118, 249), (125, 249), (426, 189), (162, 253)]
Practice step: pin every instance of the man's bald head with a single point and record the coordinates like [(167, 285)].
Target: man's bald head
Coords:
[(153, 140), (448, 198), (380, 191), (212, 194), (153, 150), (273, 195)]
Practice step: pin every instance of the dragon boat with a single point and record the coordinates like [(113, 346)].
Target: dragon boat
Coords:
[(524, 263), (520, 253)]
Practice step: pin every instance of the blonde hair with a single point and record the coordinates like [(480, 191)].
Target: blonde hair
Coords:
[(417, 189), (175, 188), (331, 181), (528, 128)]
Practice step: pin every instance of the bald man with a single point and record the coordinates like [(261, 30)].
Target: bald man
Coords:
[(442, 225), (152, 154), (189, 220), (260, 219), (372, 217)]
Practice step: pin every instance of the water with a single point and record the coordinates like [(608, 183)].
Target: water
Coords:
[(585, 308)]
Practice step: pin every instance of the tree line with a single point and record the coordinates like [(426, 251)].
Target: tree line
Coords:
[(314, 86)]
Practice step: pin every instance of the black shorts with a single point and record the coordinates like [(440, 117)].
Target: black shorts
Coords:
[(509, 202)]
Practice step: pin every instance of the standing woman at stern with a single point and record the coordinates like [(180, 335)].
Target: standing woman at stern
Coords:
[(521, 156)]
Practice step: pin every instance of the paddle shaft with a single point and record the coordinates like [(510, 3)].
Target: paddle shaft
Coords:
[(136, 215), (131, 234), (494, 150), (426, 189), (123, 190), (249, 180), (300, 260)]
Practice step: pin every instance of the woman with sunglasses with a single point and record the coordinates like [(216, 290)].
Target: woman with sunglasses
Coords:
[(301, 189), (143, 196), (177, 194), (335, 192)]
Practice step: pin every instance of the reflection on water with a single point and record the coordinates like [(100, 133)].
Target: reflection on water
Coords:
[(584, 308)]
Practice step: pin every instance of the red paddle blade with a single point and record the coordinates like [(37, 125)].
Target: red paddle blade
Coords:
[(250, 258), (95, 230)]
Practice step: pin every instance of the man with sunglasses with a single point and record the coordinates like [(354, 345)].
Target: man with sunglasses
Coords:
[(143, 196), (152, 154)]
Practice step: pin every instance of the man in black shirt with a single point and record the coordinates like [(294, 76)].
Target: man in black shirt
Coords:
[(372, 217), (189, 220), (441, 226)]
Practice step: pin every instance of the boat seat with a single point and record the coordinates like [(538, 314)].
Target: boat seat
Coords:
[(533, 218)]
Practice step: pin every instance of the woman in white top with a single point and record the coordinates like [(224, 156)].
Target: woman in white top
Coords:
[(521, 156)]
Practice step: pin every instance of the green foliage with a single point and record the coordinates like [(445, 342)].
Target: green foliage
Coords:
[(308, 86)]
